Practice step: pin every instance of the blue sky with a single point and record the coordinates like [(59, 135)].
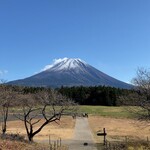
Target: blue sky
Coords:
[(111, 35)]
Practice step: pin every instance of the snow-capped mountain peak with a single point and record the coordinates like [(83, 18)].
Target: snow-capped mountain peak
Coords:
[(70, 72), (66, 64)]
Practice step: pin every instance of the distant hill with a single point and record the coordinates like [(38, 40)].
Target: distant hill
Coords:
[(71, 72)]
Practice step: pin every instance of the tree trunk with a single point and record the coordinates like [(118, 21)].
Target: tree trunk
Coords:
[(4, 128), (30, 137), (4, 125)]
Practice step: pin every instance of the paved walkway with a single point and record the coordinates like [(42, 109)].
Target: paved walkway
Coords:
[(82, 134)]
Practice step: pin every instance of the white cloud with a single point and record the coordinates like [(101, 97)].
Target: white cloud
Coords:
[(55, 61), (46, 67)]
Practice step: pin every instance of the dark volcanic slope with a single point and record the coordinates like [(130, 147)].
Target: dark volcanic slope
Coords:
[(71, 72)]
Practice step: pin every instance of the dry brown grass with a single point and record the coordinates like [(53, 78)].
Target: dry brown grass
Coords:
[(16, 145), (117, 129), (62, 129)]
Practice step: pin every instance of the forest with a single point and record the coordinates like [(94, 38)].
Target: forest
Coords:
[(98, 95)]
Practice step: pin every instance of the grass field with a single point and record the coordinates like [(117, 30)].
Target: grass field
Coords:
[(118, 121), (63, 129), (120, 124), (118, 128), (16, 145), (108, 111)]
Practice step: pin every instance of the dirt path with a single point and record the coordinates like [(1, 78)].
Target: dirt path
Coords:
[(82, 134)]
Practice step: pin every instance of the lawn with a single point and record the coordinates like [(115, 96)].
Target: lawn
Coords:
[(108, 111), (105, 111)]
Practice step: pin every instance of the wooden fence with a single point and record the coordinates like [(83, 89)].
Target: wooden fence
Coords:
[(56, 145), (118, 145)]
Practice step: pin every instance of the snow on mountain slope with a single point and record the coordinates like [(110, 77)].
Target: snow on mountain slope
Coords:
[(71, 72), (66, 64)]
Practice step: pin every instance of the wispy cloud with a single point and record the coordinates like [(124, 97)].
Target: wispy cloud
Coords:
[(3, 72), (55, 61)]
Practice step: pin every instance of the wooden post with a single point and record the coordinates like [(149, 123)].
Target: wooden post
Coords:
[(104, 136), (57, 143), (126, 139), (49, 139), (54, 145), (51, 147), (109, 146), (60, 142), (147, 140)]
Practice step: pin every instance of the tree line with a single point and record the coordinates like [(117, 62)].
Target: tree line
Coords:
[(98, 95)]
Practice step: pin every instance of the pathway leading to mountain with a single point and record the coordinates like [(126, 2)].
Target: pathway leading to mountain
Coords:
[(82, 134)]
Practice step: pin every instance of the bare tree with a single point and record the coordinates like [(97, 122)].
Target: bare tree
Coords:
[(142, 84), (46, 105), (7, 95), (140, 96)]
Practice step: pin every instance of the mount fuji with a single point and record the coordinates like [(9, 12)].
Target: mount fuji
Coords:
[(70, 72)]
